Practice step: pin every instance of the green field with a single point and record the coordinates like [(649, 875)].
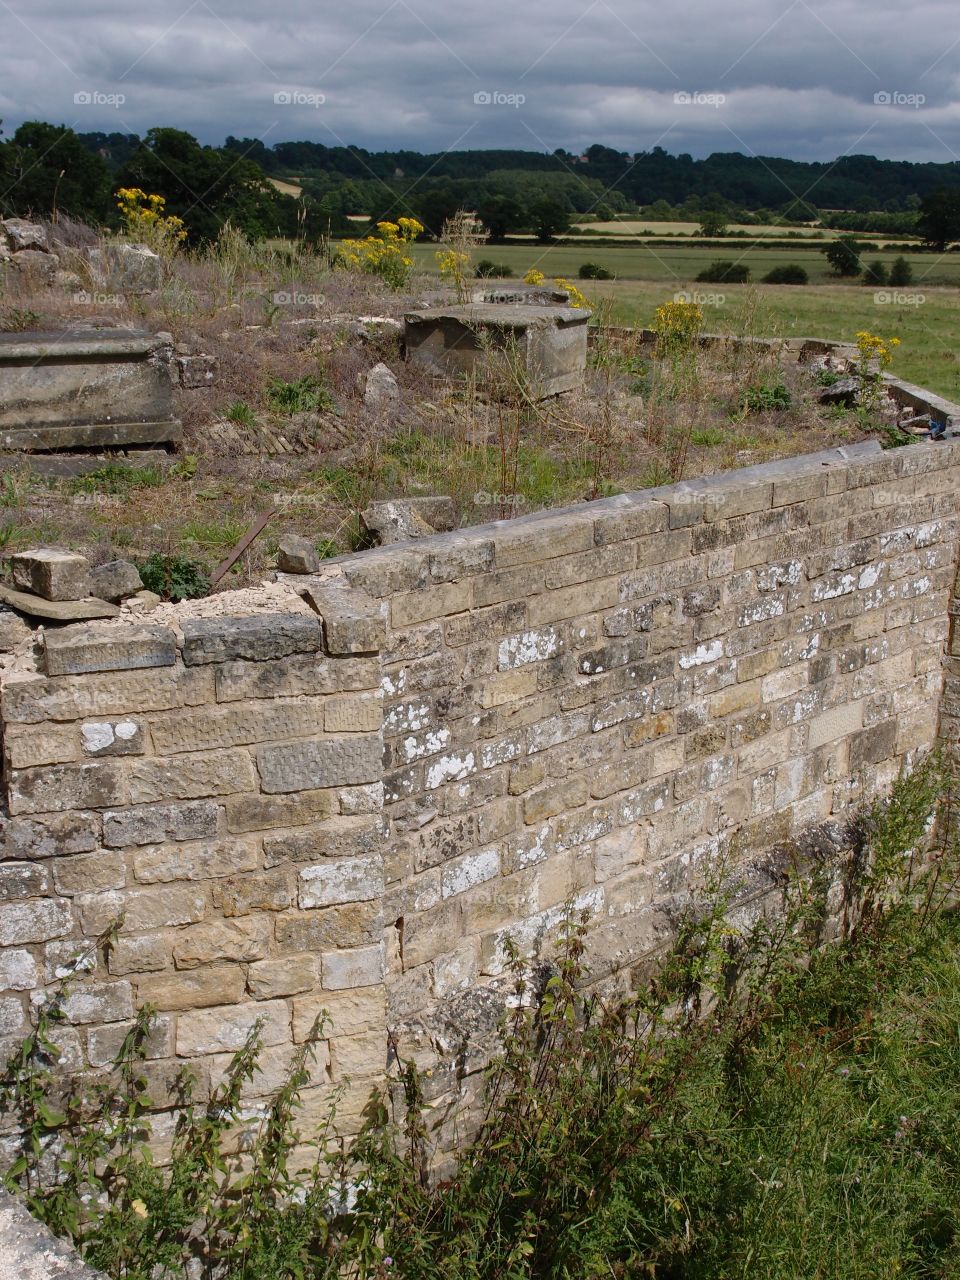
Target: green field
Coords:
[(684, 262), (637, 226), (928, 330)]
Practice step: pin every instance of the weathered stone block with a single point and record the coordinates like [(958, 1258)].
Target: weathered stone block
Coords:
[(193, 988), (197, 371), (68, 786), (352, 622), (258, 638), (225, 1029), (89, 872), (297, 555), (268, 979), (301, 766), (84, 647), (126, 268), (262, 813), (340, 880), (550, 342), (142, 909), (116, 580), (190, 777), (145, 953), (112, 738), (337, 838), (400, 519), (294, 677), (218, 727), (25, 749), (13, 630), (348, 925), (99, 1002), (270, 891), (30, 699), (171, 862), (344, 1013), (51, 573), (359, 967), (237, 940), (152, 824), (22, 880), (18, 970)]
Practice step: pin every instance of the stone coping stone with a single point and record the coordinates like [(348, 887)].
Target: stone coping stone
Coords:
[(781, 468), (495, 315), (33, 344), (30, 1251), (946, 412), (258, 637), (57, 610), (79, 649)]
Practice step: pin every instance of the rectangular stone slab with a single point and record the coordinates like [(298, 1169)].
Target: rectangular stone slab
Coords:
[(57, 610), (75, 650), (257, 638), (85, 388)]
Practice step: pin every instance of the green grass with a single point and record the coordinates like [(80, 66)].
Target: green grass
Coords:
[(825, 308), (928, 354), (681, 263)]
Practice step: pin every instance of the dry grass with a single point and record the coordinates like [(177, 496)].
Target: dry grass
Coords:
[(280, 314)]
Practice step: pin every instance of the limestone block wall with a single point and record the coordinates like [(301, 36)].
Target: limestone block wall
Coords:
[(348, 797), (581, 706), (215, 784)]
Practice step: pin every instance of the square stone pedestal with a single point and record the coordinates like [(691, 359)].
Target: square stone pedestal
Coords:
[(548, 342)]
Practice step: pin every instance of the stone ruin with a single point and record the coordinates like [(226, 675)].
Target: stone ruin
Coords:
[(548, 342), (347, 789), (86, 388)]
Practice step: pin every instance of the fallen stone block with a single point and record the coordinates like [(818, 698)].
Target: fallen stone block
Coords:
[(21, 234), (352, 622), (196, 371), (297, 555), (79, 649), (51, 573), (126, 268), (85, 388), (115, 580), (41, 264), (843, 391), (400, 519), (380, 388), (58, 610)]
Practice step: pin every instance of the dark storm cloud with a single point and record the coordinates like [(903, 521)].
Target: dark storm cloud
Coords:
[(807, 80)]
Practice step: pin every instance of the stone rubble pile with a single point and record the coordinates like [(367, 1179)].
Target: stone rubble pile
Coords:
[(114, 266), (62, 586), (25, 246)]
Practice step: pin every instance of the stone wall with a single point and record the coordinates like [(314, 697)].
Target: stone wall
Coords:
[(354, 813), (214, 782)]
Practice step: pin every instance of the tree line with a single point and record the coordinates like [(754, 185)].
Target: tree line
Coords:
[(48, 169)]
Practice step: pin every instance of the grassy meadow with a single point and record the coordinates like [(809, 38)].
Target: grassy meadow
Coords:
[(825, 308)]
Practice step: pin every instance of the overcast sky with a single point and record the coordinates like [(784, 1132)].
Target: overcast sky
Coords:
[(766, 77)]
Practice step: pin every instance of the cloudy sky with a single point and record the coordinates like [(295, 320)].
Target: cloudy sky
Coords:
[(767, 77)]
